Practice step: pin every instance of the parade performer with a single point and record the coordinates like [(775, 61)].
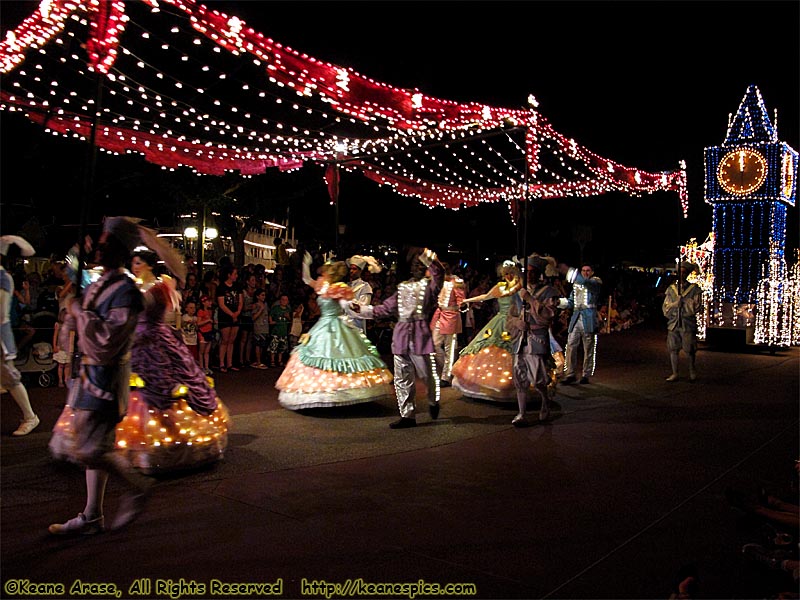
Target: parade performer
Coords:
[(143, 265), (682, 303), (412, 345), (175, 420), (485, 366), (105, 321), (334, 364), (531, 333), (362, 291), (10, 377), (446, 324), (583, 323)]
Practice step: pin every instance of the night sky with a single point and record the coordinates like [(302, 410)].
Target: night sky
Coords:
[(646, 84)]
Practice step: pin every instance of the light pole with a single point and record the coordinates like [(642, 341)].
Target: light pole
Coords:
[(205, 233)]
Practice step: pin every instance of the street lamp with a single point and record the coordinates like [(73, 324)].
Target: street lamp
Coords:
[(207, 232)]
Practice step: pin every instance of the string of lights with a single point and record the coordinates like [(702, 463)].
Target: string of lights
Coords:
[(193, 87)]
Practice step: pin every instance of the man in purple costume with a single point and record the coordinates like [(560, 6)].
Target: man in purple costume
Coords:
[(532, 345), (106, 319), (412, 305)]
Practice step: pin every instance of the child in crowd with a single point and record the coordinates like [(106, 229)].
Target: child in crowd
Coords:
[(189, 328), (297, 326), (260, 326), (63, 334), (280, 316), (205, 326)]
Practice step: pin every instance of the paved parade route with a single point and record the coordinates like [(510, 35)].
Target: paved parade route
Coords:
[(608, 500)]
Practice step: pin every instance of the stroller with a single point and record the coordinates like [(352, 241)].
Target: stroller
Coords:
[(36, 357)]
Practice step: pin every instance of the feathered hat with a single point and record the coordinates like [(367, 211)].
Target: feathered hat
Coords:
[(363, 261), (131, 233), (538, 262), (550, 270)]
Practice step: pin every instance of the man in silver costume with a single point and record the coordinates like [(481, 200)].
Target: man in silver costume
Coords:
[(412, 345)]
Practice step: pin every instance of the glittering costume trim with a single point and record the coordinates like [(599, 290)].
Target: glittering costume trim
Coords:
[(300, 400), (358, 364), (303, 386)]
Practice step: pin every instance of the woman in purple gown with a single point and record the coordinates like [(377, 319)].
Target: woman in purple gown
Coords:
[(175, 419)]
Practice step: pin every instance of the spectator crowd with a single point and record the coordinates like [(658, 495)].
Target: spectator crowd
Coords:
[(277, 308)]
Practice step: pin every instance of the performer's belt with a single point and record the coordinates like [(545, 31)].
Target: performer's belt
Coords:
[(451, 308), (411, 319), (586, 306)]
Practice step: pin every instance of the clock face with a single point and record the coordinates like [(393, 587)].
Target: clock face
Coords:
[(742, 171), (788, 174)]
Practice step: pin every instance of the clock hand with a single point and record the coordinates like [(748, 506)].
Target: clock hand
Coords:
[(741, 167)]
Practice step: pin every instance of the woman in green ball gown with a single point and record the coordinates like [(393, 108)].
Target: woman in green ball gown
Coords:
[(334, 364), (485, 365)]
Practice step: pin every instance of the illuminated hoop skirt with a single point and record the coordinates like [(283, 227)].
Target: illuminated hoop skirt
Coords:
[(173, 439), (334, 365), (178, 438), (485, 367), (487, 374), (302, 386), (174, 419)]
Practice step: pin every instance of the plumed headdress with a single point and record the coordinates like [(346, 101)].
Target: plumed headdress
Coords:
[(129, 231), (364, 261), (125, 229), (550, 270), (515, 261), (538, 262)]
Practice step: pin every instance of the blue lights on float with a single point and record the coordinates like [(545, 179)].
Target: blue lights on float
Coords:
[(750, 180)]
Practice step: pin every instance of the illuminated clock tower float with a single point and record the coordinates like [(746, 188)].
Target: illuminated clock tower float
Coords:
[(749, 181)]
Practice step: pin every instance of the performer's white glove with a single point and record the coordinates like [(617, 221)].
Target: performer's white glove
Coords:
[(346, 308), (572, 274), (427, 257), (305, 274)]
